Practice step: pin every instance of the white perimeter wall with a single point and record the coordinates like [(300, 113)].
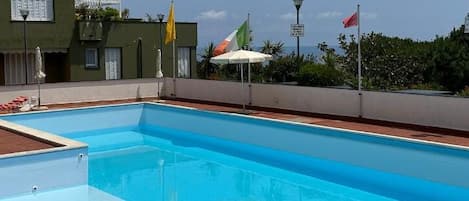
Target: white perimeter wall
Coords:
[(437, 111), (444, 112), (69, 92)]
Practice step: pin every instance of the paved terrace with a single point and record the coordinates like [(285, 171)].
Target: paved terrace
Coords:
[(10, 142)]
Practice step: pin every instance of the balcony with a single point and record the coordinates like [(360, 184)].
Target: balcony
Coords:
[(91, 30)]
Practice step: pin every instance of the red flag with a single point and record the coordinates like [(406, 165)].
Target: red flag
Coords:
[(351, 21)]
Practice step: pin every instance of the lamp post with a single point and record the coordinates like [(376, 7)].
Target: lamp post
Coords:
[(25, 14), (160, 18), (298, 6), (160, 53)]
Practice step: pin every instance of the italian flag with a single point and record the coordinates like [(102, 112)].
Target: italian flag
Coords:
[(235, 41)]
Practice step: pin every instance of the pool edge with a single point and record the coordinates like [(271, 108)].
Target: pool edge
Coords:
[(385, 136)]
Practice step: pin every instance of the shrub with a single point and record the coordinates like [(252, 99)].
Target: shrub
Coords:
[(319, 75), (427, 86), (464, 92)]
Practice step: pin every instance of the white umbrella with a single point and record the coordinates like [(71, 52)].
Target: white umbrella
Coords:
[(241, 57), (39, 74), (159, 73)]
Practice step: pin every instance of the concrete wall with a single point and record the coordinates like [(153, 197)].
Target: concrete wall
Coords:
[(306, 99), (84, 91), (444, 112), (216, 91), (437, 111)]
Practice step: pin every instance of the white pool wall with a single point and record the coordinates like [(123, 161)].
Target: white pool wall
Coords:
[(45, 171)]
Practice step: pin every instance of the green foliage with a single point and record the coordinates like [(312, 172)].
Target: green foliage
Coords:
[(464, 92), (205, 69), (274, 49), (126, 13), (150, 18), (231, 72), (329, 57), (83, 12), (319, 75), (450, 60), (427, 86), (283, 68), (395, 63), (387, 62)]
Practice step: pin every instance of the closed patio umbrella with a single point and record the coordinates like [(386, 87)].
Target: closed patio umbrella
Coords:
[(241, 57), (159, 73), (39, 74)]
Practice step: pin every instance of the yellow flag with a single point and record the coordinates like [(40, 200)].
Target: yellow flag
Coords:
[(170, 26)]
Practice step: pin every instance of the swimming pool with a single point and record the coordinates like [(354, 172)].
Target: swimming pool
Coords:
[(154, 152)]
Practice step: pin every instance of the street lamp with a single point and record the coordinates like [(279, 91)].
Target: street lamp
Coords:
[(25, 13), (160, 52), (160, 18), (298, 6)]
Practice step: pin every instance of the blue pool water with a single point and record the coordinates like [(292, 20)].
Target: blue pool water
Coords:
[(156, 169), (150, 152)]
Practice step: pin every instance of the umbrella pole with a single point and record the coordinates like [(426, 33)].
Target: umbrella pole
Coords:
[(38, 92), (249, 85), (158, 86), (242, 87)]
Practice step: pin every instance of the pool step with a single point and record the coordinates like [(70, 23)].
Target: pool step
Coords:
[(111, 141)]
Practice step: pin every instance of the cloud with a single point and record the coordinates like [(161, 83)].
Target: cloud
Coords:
[(368, 16), (212, 15), (289, 16), (329, 15)]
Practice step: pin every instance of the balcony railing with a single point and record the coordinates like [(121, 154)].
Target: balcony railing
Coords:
[(97, 3)]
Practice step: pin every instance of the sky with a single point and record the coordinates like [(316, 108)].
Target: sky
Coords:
[(322, 19)]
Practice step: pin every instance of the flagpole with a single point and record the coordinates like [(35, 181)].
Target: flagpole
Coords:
[(248, 34), (174, 56), (359, 65), (174, 68)]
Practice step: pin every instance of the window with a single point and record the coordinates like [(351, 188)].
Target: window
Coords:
[(112, 63), (184, 62), (91, 55), (39, 10)]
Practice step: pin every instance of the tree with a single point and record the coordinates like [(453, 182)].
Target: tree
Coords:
[(125, 13), (329, 57), (387, 62), (204, 67), (274, 49), (450, 61), (150, 18), (319, 75), (284, 68)]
